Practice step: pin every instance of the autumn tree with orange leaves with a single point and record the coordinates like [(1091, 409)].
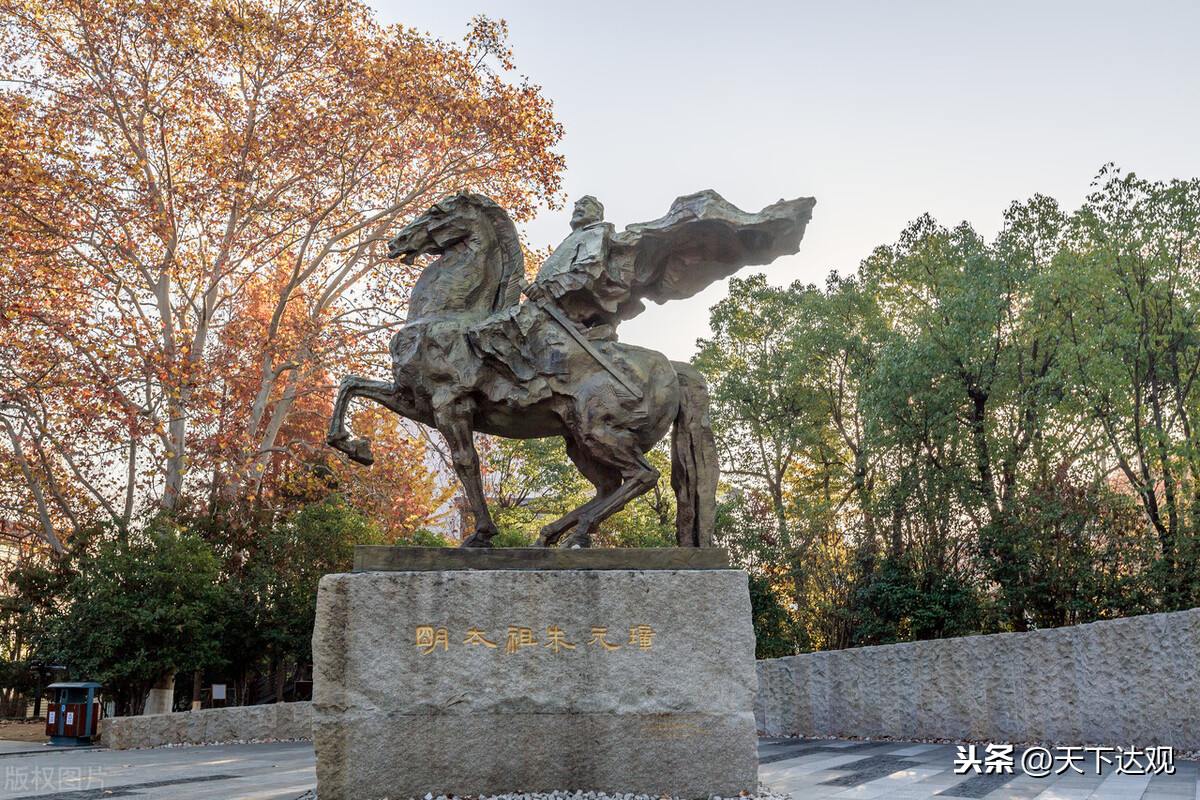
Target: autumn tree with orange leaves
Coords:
[(195, 198)]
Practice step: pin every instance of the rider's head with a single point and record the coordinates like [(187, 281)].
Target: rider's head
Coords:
[(587, 210)]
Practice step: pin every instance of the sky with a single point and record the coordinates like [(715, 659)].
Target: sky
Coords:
[(883, 111)]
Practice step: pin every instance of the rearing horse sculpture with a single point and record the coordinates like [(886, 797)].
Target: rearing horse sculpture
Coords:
[(472, 357)]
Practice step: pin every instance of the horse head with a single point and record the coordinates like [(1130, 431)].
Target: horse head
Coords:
[(444, 225), (456, 218)]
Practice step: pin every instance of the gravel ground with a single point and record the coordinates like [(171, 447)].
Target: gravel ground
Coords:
[(764, 794), (227, 741)]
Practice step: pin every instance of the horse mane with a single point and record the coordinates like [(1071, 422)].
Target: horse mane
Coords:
[(508, 293)]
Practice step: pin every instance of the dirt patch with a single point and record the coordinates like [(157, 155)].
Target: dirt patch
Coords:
[(29, 731)]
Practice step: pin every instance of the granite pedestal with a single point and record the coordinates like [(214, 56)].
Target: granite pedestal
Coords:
[(473, 681)]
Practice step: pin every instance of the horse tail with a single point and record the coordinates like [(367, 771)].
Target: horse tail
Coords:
[(694, 468)]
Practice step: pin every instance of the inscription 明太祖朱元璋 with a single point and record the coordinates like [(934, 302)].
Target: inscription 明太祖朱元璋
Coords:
[(430, 637)]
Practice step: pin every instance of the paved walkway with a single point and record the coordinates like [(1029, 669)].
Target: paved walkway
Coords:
[(809, 769), (806, 769), (270, 771)]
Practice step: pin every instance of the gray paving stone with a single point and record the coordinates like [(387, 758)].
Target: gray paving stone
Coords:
[(871, 768), (977, 786)]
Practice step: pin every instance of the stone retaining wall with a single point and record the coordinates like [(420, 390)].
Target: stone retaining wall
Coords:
[(1133, 681), (272, 721)]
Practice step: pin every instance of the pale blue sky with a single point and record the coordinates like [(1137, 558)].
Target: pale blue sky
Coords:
[(882, 111)]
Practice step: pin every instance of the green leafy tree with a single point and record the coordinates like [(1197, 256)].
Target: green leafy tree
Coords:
[(29, 601), (967, 384), (1127, 296), (142, 604), (963, 399), (906, 600), (530, 482), (1070, 553), (423, 537), (764, 411), (785, 368), (272, 587), (773, 634)]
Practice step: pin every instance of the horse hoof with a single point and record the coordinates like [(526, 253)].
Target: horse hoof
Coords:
[(357, 449), (548, 537), (574, 542), (477, 540), (360, 451)]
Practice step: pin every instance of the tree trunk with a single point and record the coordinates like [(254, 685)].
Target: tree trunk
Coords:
[(161, 698), (197, 690)]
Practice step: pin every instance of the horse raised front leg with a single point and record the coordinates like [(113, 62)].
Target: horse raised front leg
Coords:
[(339, 438), (456, 428)]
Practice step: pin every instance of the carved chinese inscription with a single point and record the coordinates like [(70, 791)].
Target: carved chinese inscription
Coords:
[(429, 637)]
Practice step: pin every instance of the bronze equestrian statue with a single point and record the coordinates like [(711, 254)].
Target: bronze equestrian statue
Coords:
[(472, 357)]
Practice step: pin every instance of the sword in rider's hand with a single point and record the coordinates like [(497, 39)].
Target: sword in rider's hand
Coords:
[(556, 314)]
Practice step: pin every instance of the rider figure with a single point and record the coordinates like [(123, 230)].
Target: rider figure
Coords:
[(578, 276)]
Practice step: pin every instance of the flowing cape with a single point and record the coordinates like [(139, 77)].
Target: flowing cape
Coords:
[(702, 239)]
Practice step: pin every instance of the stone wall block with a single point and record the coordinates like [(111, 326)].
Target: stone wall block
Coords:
[(1107, 646), (141, 731), (239, 723), (258, 722), (843, 693), (1026, 655), (294, 721), (826, 701), (197, 726), (268, 726), (224, 727), (1180, 645), (114, 736), (886, 699), (901, 691), (991, 690), (798, 686), (774, 705), (1064, 696), (170, 729), (1131, 682)]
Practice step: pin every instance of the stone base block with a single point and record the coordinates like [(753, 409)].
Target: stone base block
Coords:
[(486, 682), (407, 755)]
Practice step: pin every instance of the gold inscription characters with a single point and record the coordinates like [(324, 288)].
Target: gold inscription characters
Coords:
[(428, 637)]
